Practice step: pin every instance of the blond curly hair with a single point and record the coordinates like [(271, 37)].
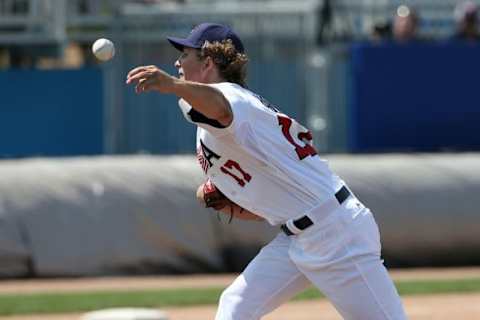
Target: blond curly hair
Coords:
[(231, 63)]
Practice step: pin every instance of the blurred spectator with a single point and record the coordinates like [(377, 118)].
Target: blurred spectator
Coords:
[(405, 24), (166, 2), (20, 57), (4, 58), (324, 16), (466, 18), (381, 30)]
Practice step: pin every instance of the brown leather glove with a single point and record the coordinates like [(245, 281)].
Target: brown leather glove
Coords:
[(213, 197)]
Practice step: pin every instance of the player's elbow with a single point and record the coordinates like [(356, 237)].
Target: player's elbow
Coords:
[(225, 119)]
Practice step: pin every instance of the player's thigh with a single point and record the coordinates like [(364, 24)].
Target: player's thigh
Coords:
[(269, 280), (360, 289), (355, 280)]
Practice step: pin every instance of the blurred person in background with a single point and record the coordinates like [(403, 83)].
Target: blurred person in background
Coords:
[(466, 19), (381, 30), (405, 24), (21, 57)]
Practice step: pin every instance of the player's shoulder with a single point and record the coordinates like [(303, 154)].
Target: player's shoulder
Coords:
[(255, 98), (234, 91), (227, 86)]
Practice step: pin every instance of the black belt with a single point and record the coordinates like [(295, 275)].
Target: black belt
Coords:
[(305, 222)]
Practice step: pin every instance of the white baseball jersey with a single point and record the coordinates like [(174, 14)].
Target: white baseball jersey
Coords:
[(264, 160)]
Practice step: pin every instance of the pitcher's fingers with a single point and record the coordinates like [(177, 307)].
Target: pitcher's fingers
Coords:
[(149, 84), (136, 70), (139, 85), (138, 88), (134, 77), (141, 68), (139, 75)]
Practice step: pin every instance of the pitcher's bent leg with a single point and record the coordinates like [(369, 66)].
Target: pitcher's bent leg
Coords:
[(269, 280), (343, 261), (361, 289)]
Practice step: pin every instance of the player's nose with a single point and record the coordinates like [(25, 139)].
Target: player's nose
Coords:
[(177, 64)]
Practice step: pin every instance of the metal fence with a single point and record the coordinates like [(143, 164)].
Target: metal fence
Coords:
[(33, 21)]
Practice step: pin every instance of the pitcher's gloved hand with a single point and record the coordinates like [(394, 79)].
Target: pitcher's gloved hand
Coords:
[(213, 197)]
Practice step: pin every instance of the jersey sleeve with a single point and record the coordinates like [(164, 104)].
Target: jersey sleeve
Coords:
[(239, 107), (195, 117)]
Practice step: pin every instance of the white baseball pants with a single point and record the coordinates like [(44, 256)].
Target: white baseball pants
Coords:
[(339, 254)]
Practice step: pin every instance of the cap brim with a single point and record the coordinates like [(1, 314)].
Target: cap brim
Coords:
[(180, 43)]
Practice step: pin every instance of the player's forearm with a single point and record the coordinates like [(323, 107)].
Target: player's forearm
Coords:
[(207, 100)]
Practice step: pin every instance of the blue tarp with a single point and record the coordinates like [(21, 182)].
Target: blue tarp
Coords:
[(415, 97)]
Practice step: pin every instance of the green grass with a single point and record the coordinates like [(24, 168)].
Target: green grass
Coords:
[(438, 286), (84, 301)]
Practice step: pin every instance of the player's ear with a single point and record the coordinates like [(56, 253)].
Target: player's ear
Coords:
[(208, 63)]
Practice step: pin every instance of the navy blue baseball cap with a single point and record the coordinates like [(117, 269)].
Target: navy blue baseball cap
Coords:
[(210, 32)]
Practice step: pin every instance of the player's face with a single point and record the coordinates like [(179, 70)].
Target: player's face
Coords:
[(189, 65)]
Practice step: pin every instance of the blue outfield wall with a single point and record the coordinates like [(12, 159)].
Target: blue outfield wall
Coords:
[(420, 97), (417, 97), (51, 113)]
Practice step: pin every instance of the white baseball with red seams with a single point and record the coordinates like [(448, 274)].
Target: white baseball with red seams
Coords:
[(265, 162), (103, 49)]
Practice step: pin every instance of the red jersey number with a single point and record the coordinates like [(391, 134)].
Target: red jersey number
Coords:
[(233, 169), (302, 151)]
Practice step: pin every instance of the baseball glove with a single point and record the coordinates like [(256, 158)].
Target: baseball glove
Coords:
[(213, 197)]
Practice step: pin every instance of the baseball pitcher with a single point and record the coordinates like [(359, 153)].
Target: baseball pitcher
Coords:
[(260, 164)]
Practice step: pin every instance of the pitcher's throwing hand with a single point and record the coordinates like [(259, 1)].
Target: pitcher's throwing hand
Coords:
[(148, 78)]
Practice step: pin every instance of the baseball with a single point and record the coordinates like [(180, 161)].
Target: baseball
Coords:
[(103, 49)]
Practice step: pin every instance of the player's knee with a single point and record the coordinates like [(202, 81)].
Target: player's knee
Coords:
[(235, 306)]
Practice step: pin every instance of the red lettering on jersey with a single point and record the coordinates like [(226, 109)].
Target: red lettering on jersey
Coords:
[(228, 167), (306, 137), (202, 161)]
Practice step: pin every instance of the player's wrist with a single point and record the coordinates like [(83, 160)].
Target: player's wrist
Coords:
[(171, 86)]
